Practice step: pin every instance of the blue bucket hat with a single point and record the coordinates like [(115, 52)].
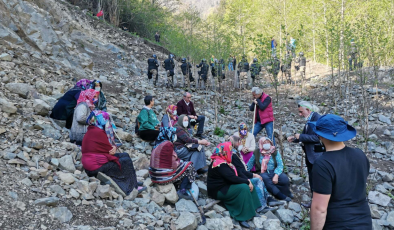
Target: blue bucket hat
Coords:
[(333, 127)]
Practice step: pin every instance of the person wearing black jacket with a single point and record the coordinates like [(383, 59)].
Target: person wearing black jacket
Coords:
[(203, 73), (186, 68), (153, 68), (169, 66), (225, 183), (308, 139)]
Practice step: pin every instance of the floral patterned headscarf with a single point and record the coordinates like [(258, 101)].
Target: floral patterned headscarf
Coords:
[(87, 96), (243, 132), (83, 83), (170, 110), (102, 120), (166, 134), (222, 155)]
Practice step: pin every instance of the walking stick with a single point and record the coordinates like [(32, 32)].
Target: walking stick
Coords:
[(203, 219), (254, 117)]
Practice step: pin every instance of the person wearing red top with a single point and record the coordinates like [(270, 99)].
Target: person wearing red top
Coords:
[(99, 157), (264, 113)]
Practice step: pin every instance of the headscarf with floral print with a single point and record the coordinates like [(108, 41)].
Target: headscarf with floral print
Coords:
[(222, 155), (266, 152), (87, 96), (243, 132)]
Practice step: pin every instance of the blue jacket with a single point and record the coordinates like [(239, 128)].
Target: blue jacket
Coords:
[(309, 139)]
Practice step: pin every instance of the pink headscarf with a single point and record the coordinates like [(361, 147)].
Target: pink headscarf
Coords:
[(222, 155), (87, 96), (266, 153)]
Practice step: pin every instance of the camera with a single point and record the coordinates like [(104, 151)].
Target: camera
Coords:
[(318, 148)]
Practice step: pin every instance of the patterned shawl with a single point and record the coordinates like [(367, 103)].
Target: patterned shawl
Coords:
[(87, 96), (166, 134), (83, 84), (266, 153), (222, 155), (102, 120), (170, 112)]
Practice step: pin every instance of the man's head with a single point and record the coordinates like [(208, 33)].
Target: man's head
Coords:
[(149, 101), (154, 56), (305, 108), (272, 38), (257, 92), (187, 96), (255, 60)]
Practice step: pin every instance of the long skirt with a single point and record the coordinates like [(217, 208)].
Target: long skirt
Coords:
[(240, 202), (198, 158), (247, 157), (262, 192), (125, 177)]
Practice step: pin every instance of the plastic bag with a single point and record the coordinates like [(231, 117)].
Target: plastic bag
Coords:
[(195, 191)]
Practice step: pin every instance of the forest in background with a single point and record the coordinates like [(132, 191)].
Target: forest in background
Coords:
[(323, 29)]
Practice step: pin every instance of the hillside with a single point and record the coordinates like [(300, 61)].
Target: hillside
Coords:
[(47, 45)]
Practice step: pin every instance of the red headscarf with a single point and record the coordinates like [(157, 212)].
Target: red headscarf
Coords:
[(87, 96), (164, 157), (222, 155)]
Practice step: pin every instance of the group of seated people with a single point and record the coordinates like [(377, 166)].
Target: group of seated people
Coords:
[(84, 109), (246, 178)]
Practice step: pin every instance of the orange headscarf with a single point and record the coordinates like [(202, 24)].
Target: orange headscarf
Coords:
[(222, 155)]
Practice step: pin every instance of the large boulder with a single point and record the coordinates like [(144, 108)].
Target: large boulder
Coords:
[(7, 106), (378, 198), (41, 107), (186, 221), (21, 89), (67, 163), (62, 214)]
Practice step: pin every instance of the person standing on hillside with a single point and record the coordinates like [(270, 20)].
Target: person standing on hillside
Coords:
[(307, 139), (243, 69), (157, 36), (264, 113), (255, 69), (153, 68), (169, 66), (203, 73), (230, 64), (339, 178), (273, 46), (301, 61), (186, 68)]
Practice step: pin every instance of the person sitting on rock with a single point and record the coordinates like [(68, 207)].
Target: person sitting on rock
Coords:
[(225, 183), (256, 179), (248, 145), (85, 105), (170, 118), (64, 108), (189, 149), (147, 121), (186, 107), (166, 167), (276, 182), (99, 157), (102, 102)]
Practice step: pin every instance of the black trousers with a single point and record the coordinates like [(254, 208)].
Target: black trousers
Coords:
[(149, 135), (282, 186), (309, 166)]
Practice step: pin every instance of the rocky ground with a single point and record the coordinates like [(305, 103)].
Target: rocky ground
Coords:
[(47, 45)]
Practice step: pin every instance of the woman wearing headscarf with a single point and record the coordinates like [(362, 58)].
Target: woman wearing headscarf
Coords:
[(256, 179), (248, 145), (85, 104), (64, 108), (101, 104), (170, 118), (225, 183), (99, 157), (188, 148), (166, 167), (276, 182)]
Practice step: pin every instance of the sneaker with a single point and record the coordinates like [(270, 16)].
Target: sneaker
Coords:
[(200, 136), (288, 199), (108, 180)]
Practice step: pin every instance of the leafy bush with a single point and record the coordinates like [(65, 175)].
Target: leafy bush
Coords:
[(219, 132)]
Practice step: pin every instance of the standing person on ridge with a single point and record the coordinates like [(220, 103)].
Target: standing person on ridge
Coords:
[(307, 139), (203, 73), (153, 69), (157, 36), (169, 66), (264, 113), (255, 69), (186, 68), (243, 69), (230, 63), (273, 46)]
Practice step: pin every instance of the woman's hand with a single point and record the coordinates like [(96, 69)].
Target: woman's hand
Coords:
[(113, 150), (157, 127), (250, 186), (204, 142), (245, 150), (275, 179), (257, 176)]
